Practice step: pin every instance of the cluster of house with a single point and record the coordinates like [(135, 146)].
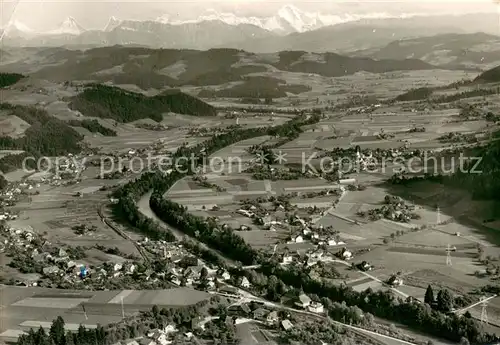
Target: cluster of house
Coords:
[(158, 336), (308, 231), (305, 302), (184, 269), (314, 234), (18, 238), (11, 194), (7, 215), (28, 242), (396, 211), (60, 264), (208, 131), (313, 256), (256, 311)]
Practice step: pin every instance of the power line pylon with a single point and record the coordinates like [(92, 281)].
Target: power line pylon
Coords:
[(484, 305), (448, 255)]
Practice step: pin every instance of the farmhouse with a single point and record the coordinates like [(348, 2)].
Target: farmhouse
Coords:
[(245, 213), (260, 314), (346, 254), (286, 324), (245, 283), (303, 302), (298, 239), (272, 318), (315, 307), (395, 281)]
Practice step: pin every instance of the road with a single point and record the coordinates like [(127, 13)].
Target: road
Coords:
[(317, 219), (121, 233)]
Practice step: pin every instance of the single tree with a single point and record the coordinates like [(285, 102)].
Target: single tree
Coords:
[(429, 295), (57, 332), (203, 273), (444, 300)]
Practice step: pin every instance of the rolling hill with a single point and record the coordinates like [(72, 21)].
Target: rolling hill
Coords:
[(168, 68), (452, 50)]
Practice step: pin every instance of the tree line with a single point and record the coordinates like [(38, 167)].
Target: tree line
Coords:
[(93, 126)]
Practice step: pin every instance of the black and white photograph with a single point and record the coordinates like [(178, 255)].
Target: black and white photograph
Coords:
[(249, 172)]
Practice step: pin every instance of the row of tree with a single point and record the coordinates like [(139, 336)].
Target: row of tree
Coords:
[(93, 126)]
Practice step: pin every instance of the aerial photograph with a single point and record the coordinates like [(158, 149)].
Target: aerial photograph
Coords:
[(243, 172)]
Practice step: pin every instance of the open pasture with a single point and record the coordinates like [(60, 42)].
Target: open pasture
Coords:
[(263, 239), (408, 260), (432, 238)]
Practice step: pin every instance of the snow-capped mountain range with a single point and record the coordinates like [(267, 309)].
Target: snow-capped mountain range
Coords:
[(289, 29), (287, 20)]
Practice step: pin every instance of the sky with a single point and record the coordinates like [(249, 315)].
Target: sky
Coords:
[(94, 14)]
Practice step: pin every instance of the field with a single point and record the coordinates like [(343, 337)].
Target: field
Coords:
[(23, 308)]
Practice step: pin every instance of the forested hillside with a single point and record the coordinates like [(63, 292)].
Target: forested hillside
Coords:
[(490, 76), (485, 183), (7, 79), (124, 106), (46, 136)]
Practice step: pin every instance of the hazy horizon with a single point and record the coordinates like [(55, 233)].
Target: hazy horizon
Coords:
[(46, 15)]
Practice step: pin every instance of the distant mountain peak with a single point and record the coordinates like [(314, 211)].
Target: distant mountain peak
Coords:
[(113, 23), (18, 26), (68, 26), (15, 28)]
